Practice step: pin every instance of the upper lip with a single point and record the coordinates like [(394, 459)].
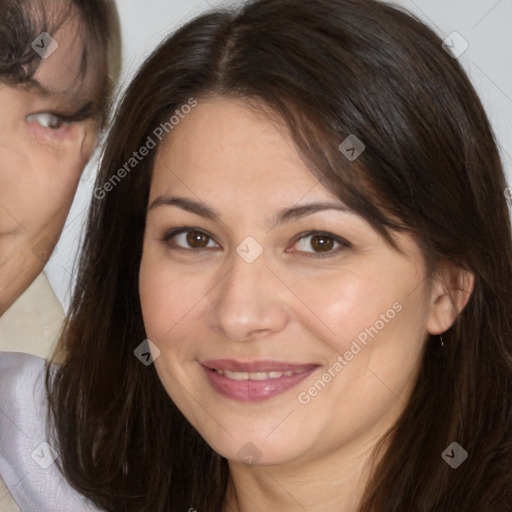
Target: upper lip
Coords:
[(254, 366)]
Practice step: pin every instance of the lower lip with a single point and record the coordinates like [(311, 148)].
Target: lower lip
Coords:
[(254, 390)]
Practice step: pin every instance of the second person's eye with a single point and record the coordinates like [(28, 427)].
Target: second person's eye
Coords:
[(47, 120)]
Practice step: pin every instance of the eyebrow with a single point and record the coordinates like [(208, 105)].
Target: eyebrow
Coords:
[(286, 215), (87, 107)]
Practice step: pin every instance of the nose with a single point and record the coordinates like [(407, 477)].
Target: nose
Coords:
[(249, 302)]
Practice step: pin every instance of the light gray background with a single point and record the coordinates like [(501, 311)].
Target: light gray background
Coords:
[(485, 24)]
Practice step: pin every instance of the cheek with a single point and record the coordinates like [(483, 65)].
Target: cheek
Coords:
[(373, 317), (170, 300), (88, 141), (38, 193), (53, 191), (59, 168), (347, 303)]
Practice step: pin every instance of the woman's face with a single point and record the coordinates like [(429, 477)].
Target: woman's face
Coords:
[(42, 157), (287, 327)]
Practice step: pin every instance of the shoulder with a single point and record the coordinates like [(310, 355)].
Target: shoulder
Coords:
[(22, 393), (17, 369), (21, 389), (27, 457)]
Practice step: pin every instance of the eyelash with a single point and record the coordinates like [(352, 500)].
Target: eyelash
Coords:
[(83, 113), (342, 243), (62, 120)]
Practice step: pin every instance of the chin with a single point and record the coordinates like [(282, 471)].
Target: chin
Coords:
[(257, 450)]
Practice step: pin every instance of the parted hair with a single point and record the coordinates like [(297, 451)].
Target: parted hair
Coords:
[(431, 168), (22, 21)]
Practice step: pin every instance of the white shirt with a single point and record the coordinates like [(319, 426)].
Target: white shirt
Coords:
[(26, 458)]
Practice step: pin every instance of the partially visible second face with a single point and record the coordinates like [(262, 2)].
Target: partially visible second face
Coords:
[(288, 329), (47, 135)]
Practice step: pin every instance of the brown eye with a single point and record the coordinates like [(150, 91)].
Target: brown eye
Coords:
[(318, 242), (197, 240), (322, 243), (189, 239)]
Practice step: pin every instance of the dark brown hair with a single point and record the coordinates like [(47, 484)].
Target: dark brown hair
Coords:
[(329, 68), (22, 21)]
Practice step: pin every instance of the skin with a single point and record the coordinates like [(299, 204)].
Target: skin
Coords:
[(42, 158), (288, 305)]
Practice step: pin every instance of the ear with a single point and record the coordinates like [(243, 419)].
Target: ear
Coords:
[(450, 293)]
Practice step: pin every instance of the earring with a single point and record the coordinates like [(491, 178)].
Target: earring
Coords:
[(441, 339)]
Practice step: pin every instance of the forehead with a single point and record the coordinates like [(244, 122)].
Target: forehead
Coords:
[(72, 71), (224, 142)]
